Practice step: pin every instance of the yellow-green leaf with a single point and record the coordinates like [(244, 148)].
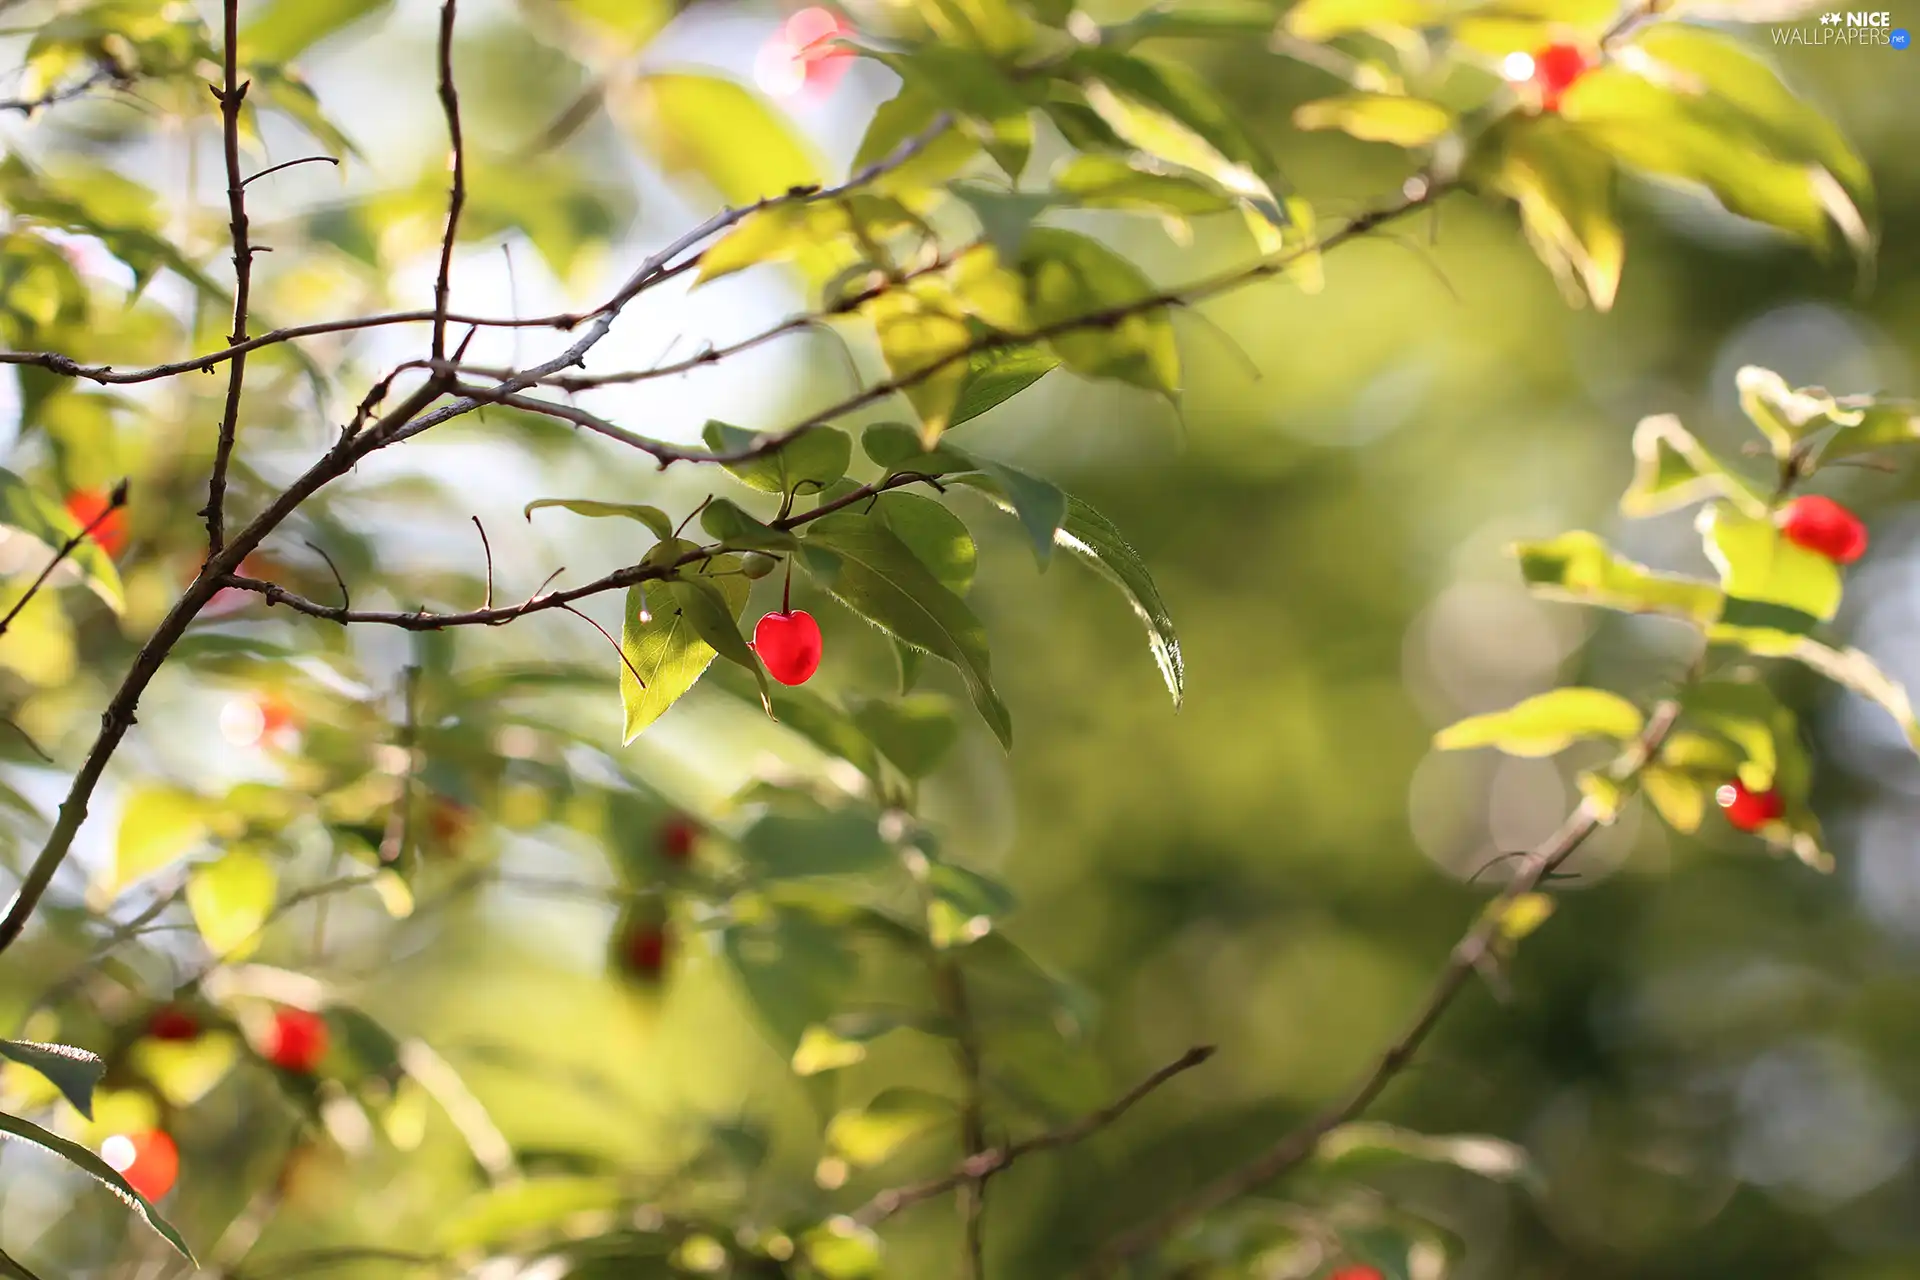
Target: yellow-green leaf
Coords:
[(231, 899), (158, 825), (1578, 567), (1759, 567), (738, 143), (1671, 470), (1377, 117), (1547, 724), (1071, 278)]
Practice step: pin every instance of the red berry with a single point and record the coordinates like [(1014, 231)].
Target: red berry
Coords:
[(645, 950), (803, 55), (1555, 68), (148, 1161), (1749, 810), (789, 643), (88, 505), (448, 821), (1357, 1273), (678, 835), (1824, 527), (296, 1041), (173, 1023)]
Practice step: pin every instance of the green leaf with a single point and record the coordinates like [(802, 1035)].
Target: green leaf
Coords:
[(1786, 415), (1071, 279), (789, 231), (713, 128), (652, 517), (1363, 1145), (815, 458), (729, 523), (914, 732), (1760, 567), (1547, 724), (1377, 117), (815, 842), (1579, 568), (1091, 536), (1109, 182), (14, 1270), (25, 511), (1324, 19), (1854, 670), (970, 85), (1881, 423), (158, 825), (231, 899), (599, 31), (93, 1166), (811, 716), (1167, 110), (531, 1208), (1671, 470), (869, 1135), (1700, 109), (922, 345), (662, 644), (714, 616), (1680, 800), (902, 118), (963, 904), (1565, 188), (74, 1072), (867, 568), (1163, 22), (842, 1249), (937, 537), (282, 30), (795, 971)]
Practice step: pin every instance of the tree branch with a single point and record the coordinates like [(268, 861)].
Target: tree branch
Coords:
[(232, 96), (115, 501), (978, 1168), (1468, 954), (457, 192)]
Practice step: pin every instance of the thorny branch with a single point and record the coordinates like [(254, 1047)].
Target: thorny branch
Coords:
[(232, 95)]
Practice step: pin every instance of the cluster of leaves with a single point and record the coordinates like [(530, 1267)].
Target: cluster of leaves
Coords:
[(1771, 601), (831, 902)]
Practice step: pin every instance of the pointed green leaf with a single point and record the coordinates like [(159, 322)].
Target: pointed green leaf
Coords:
[(1547, 724), (1671, 470), (1565, 188), (1852, 669), (282, 30), (725, 520), (970, 85), (1760, 567), (742, 146), (867, 568), (937, 537), (157, 826), (652, 517), (795, 970), (996, 376), (1109, 182), (901, 119), (1579, 568), (715, 619), (914, 732), (1367, 1145), (1377, 117), (807, 462), (74, 1072), (963, 905), (868, 1135), (663, 646), (92, 1165), (922, 346), (814, 841)]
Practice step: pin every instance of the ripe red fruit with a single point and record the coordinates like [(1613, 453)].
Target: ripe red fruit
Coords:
[(1749, 810), (1555, 68), (1824, 527), (678, 834), (296, 1040), (148, 1161), (1357, 1273), (645, 950), (789, 643), (802, 55), (88, 505), (173, 1023)]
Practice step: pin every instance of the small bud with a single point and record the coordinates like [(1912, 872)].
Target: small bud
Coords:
[(757, 565)]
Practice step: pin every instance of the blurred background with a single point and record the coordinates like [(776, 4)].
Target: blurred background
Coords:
[(1708, 1052)]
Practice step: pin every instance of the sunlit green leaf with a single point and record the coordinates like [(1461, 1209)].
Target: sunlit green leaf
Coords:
[(815, 842), (741, 146), (725, 520), (73, 1071), (794, 969), (972, 87), (92, 1165), (652, 517), (806, 463), (1771, 584), (157, 826), (281, 30), (914, 732), (842, 1249), (665, 648), (1364, 1145), (1377, 117), (1579, 568), (921, 344), (714, 616), (231, 899), (1091, 303), (1547, 724), (867, 568), (530, 1208), (1671, 470), (1564, 187), (996, 376), (963, 905), (25, 512), (869, 1135)]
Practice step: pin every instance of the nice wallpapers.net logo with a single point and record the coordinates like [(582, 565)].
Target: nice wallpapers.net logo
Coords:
[(1861, 30)]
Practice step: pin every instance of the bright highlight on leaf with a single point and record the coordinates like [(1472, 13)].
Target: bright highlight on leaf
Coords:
[(1547, 724)]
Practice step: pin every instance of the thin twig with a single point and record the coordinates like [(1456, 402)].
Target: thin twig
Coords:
[(232, 96), (608, 637), (393, 841), (1296, 1146), (488, 550), (288, 164), (102, 73), (346, 597), (115, 501), (987, 1163), (457, 192)]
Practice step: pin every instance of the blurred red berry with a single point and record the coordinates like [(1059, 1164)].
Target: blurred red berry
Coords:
[(1357, 1273), (88, 505), (1555, 69), (1749, 810), (678, 835), (277, 716), (296, 1040), (148, 1161), (801, 56), (645, 950), (448, 822), (173, 1023), (1824, 527)]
